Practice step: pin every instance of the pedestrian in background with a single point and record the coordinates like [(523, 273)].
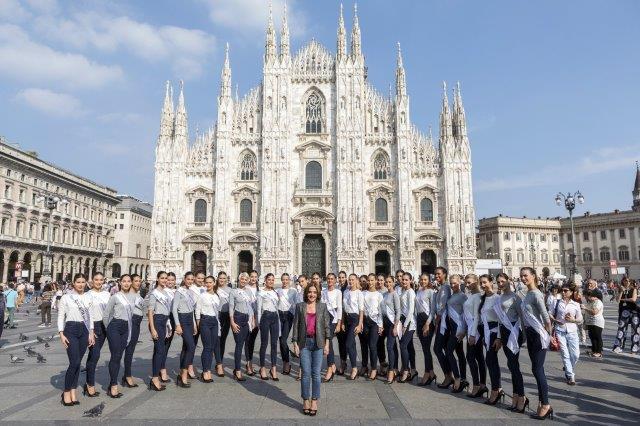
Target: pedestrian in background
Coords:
[(11, 299), (594, 322)]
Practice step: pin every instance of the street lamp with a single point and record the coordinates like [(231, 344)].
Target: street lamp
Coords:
[(50, 202), (570, 204)]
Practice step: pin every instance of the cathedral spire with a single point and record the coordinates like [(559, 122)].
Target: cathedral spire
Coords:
[(459, 118), (225, 78), (285, 53), (636, 190), (342, 37), (270, 45), (445, 116), (401, 80), (166, 117), (181, 118), (356, 40)]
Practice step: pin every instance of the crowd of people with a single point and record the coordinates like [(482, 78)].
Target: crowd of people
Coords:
[(380, 313)]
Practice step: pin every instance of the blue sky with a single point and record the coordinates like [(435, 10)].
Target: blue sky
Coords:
[(550, 87)]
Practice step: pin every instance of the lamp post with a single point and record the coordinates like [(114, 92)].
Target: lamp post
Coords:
[(533, 246), (569, 201), (50, 202)]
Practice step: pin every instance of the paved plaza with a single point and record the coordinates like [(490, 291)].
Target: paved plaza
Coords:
[(607, 391)]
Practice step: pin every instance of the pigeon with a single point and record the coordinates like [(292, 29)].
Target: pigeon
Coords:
[(27, 348), (31, 352), (95, 411), (15, 359), (47, 345), (40, 339), (27, 312), (41, 359), (23, 338), (50, 338)]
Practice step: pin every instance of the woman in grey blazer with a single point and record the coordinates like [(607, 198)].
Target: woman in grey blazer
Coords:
[(311, 335)]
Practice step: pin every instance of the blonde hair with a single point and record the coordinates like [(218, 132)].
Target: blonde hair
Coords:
[(473, 277), (243, 275)]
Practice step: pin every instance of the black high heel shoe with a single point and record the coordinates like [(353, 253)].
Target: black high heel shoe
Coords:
[(250, 372), (445, 385), (126, 384), (181, 383), (153, 387), (203, 380), (405, 380), (325, 380), (114, 396), (500, 396), (165, 380), (524, 407), (240, 378), (273, 377), (85, 392), (479, 393), (548, 414), (66, 404), (463, 385), (429, 381)]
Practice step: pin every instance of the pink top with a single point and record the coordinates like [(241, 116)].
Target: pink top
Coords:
[(311, 325)]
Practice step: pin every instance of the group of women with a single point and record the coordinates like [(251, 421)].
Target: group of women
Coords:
[(381, 312)]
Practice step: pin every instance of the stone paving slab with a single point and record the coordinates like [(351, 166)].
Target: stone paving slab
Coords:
[(608, 392)]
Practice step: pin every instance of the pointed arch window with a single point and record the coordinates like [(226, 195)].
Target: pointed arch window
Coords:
[(248, 167), (426, 210), (314, 113), (313, 175), (381, 167), (246, 211), (200, 211), (382, 213)]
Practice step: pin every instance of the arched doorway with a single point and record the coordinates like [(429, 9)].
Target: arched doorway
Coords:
[(27, 263), (383, 262), (199, 262), (11, 272), (313, 255), (427, 262), (116, 270), (2, 260), (245, 261)]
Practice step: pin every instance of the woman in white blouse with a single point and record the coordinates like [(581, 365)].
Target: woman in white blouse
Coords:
[(353, 306), (207, 308), (373, 325), (267, 301), (287, 296), (332, 297), (408, 321), (475, 335), (96, 300), (75, 327)]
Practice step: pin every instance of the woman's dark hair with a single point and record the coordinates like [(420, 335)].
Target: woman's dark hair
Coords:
[(487, 276), (531, 271), (77, 276), (306, 293), (159, 274), (286, 274), (222, 273), (186, 274), (47, 287), (135, 276), (171, 274), (407, 274), (331, 274), (443, 270), (215, 282), (502, 275), (95, 274), (269, 275), (570, 286)]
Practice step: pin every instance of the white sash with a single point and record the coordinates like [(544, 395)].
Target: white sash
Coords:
[(514, 330), (189, 299), (332, 310), (165, 300), (86, 318), (531, 321), (424, 302), (456, 318), (246, 297), (139, 303), (443, 322), (391, 314), (373, 311), (470, 330), (487, 330), (215, 304), (129, 310), (284, 299)]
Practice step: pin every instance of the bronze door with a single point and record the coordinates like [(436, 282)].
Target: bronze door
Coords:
[(313, 255)]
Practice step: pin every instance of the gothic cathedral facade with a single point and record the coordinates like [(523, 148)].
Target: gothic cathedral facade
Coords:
[(313, 171)]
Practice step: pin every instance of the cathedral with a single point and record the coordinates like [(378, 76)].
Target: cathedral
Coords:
[(313, 170)]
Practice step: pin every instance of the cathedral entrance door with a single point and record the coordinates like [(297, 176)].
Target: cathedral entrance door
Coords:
[(427, 262), (313, 255), (383, 262), (245, 262), (199, 262)]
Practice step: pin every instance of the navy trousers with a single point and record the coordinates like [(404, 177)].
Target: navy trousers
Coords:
[(425, 341), (475, 359), (331, 358), (168, 340), (363, 338), (100, 334), (159, 345), (372, 341), (210, 341), (250, 344), (286, 319), (459, 366), (117, 333), (188, 342), (78, 337), (492, 360), (352, 323), (242, 320), (513, 361), (269, 325), (225, 324), (439, 347), (538, 354), (392, 346), (131, 347)]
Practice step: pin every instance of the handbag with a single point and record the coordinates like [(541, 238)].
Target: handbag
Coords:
[(554, 344)]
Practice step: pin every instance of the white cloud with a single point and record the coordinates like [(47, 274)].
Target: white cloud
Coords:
[(120, 117), (597, 162), (250, 16), (12, 11), (108, 33), (51, 103), (43, 6), (26, 60)]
